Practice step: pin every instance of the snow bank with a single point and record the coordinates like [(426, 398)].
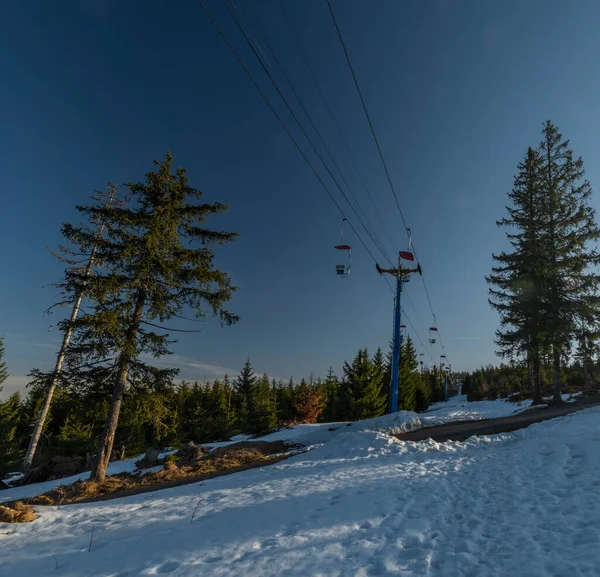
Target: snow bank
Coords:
[(323, 432), (459, 409), (364, 504)]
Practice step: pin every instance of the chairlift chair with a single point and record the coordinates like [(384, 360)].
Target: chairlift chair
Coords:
[(433, 335), (403, 331), (343, 270)]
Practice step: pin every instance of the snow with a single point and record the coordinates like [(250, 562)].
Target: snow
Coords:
[(308, 435), (459, 409), (363, 504)]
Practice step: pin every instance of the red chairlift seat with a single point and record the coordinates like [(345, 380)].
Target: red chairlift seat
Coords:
[(343, 270)]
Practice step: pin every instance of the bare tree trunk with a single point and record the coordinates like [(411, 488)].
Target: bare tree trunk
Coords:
[(556, 375), (110, 428), (535, 379), (39, 425), (586, 376)]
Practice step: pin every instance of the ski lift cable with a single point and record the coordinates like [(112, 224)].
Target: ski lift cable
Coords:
[(283, 125), (374, 135), (411, 303), (339, 33), (295, 117), (281, 67), (332, 115)]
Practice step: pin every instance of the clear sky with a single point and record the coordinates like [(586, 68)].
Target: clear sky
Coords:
[(93, 91)]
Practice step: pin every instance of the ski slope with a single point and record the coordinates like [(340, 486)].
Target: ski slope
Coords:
[(362, 504)]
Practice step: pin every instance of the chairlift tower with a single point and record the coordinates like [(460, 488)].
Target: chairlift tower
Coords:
[(401, 274)]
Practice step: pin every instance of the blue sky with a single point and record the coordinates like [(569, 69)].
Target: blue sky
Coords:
[(94, 90)]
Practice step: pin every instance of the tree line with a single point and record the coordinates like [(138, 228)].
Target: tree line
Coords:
[(175, 412), (513, 380)]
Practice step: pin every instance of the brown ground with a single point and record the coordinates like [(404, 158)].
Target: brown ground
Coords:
[(17, 512), (461, 430), (222, 461)]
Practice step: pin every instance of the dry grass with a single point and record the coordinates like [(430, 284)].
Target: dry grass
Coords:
[(17, 512), (222, 461)]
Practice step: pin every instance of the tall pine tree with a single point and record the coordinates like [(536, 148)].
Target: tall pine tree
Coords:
[(569, 227), (148, 275), (518, 278)]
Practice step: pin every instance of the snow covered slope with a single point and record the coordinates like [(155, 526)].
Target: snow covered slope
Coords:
[(459, 409), (363, 504), (456, 409)]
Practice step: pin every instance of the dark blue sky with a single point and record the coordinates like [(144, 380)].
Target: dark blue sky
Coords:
[(93, 91)]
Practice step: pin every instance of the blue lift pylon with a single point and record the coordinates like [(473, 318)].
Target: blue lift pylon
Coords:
[(401, 275)]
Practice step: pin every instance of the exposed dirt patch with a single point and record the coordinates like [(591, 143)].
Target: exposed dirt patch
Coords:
[(223, 461), (264, 447), (17, 512)]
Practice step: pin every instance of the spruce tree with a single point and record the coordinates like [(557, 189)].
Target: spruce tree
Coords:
[(243, 386), (331, 391), (285, 401), (262, 416), (10, 418), (518, 280), (571, 286), (363, 388), (380, 365), (409, 378), (223, 412), (148, 275)]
